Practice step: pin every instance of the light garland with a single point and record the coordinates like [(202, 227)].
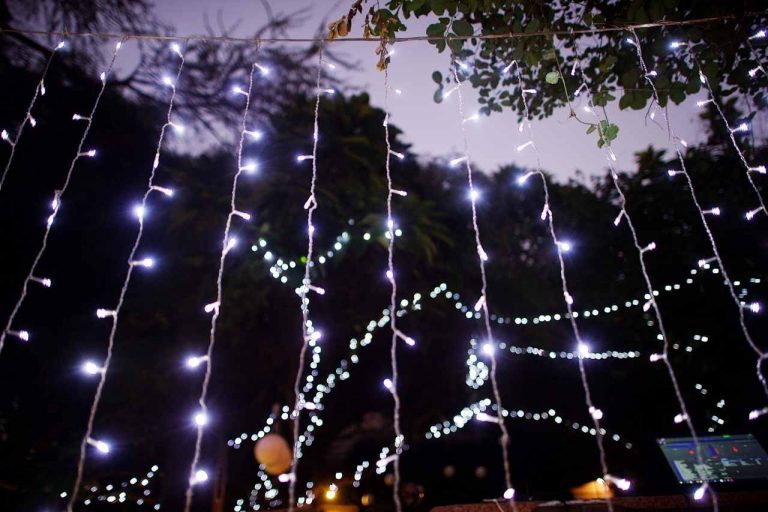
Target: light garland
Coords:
[(90, 367), (309, 335), (23, 334), (28, 118), (652, 304), (761, 355), (392, 278), (118, 494), (477, 411), (561, 247), (197, 475), (482, 303), (732, 131)]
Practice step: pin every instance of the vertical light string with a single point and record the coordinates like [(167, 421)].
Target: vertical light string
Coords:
[(392, 278), (93, 368), (28, 118), (55, 204), (560, 246), (197, 475), (307, 332), (642, 250), (482, 257), (732, 131), (761, 355)]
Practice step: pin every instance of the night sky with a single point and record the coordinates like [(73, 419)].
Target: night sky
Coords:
[(431, 127)]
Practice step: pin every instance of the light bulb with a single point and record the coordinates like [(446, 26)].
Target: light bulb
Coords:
[(195, 361), (201, 419), (200, 476), (509, 494), (91, 368)]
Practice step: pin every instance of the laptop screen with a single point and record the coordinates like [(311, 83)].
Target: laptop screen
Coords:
[(725, 458)]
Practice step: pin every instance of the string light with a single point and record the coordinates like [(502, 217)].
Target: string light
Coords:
[(114, 314), (761, 356), (306, 327), (482, 257), (582, 347), (28, 118), (56, 204), (740, 128), (198, 475), (651, 303)]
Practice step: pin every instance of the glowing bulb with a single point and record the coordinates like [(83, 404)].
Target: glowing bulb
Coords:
[(315, 336), (388, 384), (284, 478), (523, 146), (201, 419), (231, 244), (565, 246), (743, 127), (330, 494), (522, 179), (90, 153), (264, 70), (751, 213), (145, 262), (754, 307), (61, 45), (104, 313), (101, 446), (698, 494), (213, 306), (679, 418), (242, 215), (22, 335), (596, 413), (509, 494), (301, 158), (163, 190), (488, 348), (474, 195), (200, 476), (167, 81), (457, 161), (239, 90), (254, 134), (760, 169), (195, 361), (176, 48), (139, 211), (250, 167), (676, 44), (4, 135), (712, 211), (481, 416), (758, 35), (583, 350), (91, 368)]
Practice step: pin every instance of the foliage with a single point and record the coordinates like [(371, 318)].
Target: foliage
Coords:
[(721, 47)]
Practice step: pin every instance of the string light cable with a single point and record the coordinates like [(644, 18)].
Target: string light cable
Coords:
[(58, 195), (323, 40), (396, 334), (199, 475), (309, 335), (89, 367), (741, 306), (28, 117), (642, 251), (750, 169), (561, 246), (482, 303)]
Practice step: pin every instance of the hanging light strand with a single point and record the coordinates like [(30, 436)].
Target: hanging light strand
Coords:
[(195, 473), (482, 257), (732, 131), (392, 278), (560, 247), (115, 314), (761, 355), (28, 118), (310, 205), (641, 253), (55, 204)]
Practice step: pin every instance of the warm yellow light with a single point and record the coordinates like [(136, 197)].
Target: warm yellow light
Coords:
[(330, 494)]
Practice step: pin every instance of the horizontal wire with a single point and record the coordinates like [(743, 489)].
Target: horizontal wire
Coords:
[(261, 40)]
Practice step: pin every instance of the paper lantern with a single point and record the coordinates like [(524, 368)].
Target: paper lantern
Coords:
[(274, 453)]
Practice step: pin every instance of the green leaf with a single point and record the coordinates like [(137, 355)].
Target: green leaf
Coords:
[(436, 30), (611, 132), (437, 77), (438, 6), (455, 45), (463, 28), (552, 77)]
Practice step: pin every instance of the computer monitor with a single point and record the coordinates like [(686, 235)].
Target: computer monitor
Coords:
[(725, 458)]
